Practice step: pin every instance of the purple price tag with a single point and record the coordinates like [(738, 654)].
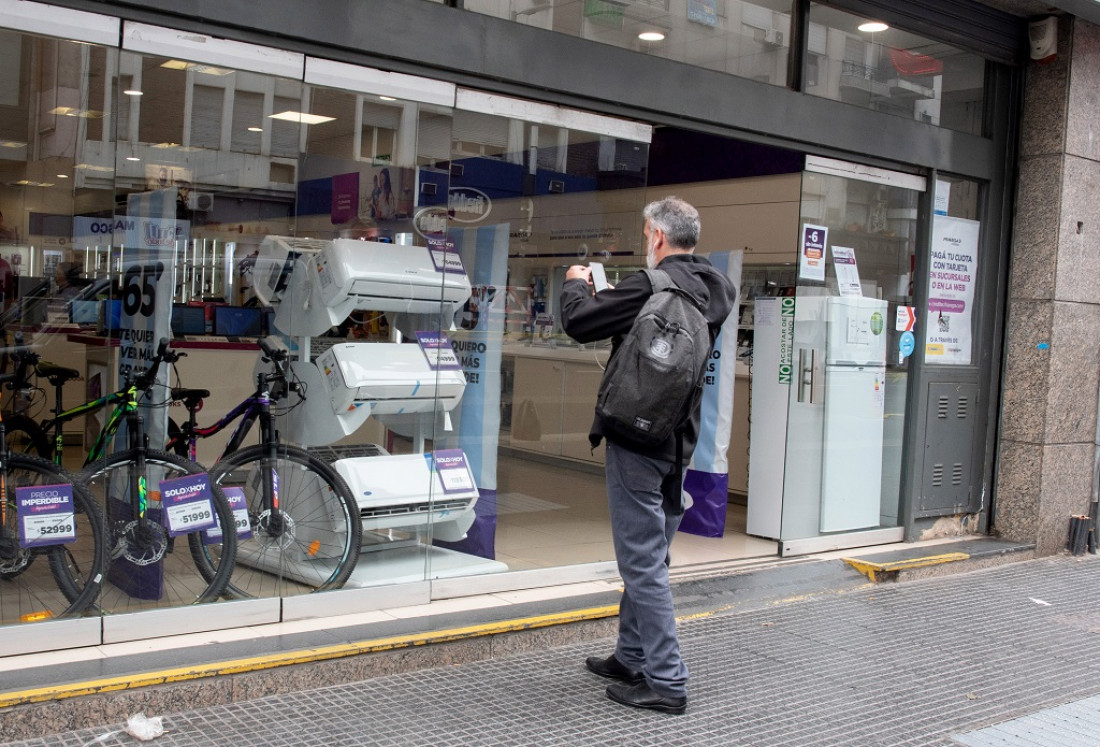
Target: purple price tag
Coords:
[(454, 473), (438, 350), (239, 504), (45, 515), (444, 256), (187, 504)]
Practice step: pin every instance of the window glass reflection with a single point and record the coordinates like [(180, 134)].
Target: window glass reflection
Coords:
[(747, 39), (851, 59)]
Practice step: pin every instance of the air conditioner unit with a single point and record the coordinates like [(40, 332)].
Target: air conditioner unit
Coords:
[(200, 201), (773, 36)]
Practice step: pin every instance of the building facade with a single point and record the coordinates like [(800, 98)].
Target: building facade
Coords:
[(904, 207)]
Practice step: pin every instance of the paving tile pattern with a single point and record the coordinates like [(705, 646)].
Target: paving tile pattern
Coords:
[(924, 662)]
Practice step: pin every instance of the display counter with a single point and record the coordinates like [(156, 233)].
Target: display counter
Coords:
[(550, 394)]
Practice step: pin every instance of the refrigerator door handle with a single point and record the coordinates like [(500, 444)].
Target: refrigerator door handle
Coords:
[(805, 375), (817, 378)]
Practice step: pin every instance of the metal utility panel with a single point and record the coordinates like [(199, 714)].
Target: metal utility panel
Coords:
[(950, 430)]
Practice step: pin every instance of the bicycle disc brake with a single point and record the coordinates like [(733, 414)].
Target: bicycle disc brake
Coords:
[(274, 530), (141, 542)]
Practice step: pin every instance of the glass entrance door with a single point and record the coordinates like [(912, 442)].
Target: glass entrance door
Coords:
[(833, 351)]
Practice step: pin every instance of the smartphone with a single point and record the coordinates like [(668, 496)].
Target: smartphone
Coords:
[(599, 277)]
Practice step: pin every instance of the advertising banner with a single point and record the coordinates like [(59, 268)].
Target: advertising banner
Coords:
[(477, 344), (148, 282), (952, 275), (707, 478)]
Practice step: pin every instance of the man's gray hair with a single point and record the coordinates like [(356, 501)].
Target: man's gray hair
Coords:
[(678, 221)]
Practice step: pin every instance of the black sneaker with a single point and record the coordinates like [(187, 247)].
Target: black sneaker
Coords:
[(613, 669)]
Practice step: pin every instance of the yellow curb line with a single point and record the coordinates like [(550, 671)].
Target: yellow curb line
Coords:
[(870, 568), (302, 656)]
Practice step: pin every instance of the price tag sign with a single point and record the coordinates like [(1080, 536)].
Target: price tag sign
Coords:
[(187, 504), (437, 349), (240, 515), (454, 473), (45, 515)]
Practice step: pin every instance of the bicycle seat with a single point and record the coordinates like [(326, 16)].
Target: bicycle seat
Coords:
[(56, 374), (190, 397)]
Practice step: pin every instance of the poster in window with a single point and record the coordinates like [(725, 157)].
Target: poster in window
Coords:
[(952, 275)]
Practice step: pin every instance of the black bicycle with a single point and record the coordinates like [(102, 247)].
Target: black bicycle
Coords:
[(46, 512), (152, 500), (299, 527)]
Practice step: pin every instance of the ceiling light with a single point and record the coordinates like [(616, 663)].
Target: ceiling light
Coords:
[(387, 98), (12, 144), (195, 67), (72, 111), (255, 129), (132, 92), (62, 176), (652, 36), (302, 117), (132, 158), (872, 27)]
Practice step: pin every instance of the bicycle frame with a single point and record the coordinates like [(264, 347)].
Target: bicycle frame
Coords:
[(125, 403), (248, 410)]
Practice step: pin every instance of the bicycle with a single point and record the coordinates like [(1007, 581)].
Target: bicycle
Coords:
[(45, 511), (303, 531), (145, 571)]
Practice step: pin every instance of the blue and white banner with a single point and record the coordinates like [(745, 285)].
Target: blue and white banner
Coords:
[(707, 479), (477, 342), (148, 282)]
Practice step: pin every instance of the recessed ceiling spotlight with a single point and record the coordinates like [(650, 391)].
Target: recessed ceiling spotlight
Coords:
[(872, 27), (652, 36)]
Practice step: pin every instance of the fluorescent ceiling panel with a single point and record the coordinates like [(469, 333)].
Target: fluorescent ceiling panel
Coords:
[(185, 45)]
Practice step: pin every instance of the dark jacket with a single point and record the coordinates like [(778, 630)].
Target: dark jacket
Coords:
[(611, 313)]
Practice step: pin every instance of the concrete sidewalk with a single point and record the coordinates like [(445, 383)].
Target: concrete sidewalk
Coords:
[(1005, 655)]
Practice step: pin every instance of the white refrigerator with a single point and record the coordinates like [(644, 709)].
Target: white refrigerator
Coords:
[(854, 402)]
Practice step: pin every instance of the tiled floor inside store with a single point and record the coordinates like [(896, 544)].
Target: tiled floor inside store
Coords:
[(548, 515)]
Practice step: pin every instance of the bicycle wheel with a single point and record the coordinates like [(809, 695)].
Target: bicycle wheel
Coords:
[(148, 568), (25, 436), (311, 544), (69, 580)]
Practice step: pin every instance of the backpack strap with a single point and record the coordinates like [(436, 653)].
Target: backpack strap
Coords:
[(662, 281), (659, 279)]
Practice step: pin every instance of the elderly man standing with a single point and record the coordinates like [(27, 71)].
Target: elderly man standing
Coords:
[(645, 483)]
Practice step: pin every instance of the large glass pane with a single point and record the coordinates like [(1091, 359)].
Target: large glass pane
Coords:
[(748, 39), (57, 162), (851, 340), (530, 199), (863, 62)]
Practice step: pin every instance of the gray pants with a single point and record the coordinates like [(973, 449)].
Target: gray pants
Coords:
[(644, 517)]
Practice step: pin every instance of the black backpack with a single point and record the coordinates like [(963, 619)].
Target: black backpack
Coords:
[(656, 375)]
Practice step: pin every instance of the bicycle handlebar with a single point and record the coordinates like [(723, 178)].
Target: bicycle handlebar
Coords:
[(145, 379)]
